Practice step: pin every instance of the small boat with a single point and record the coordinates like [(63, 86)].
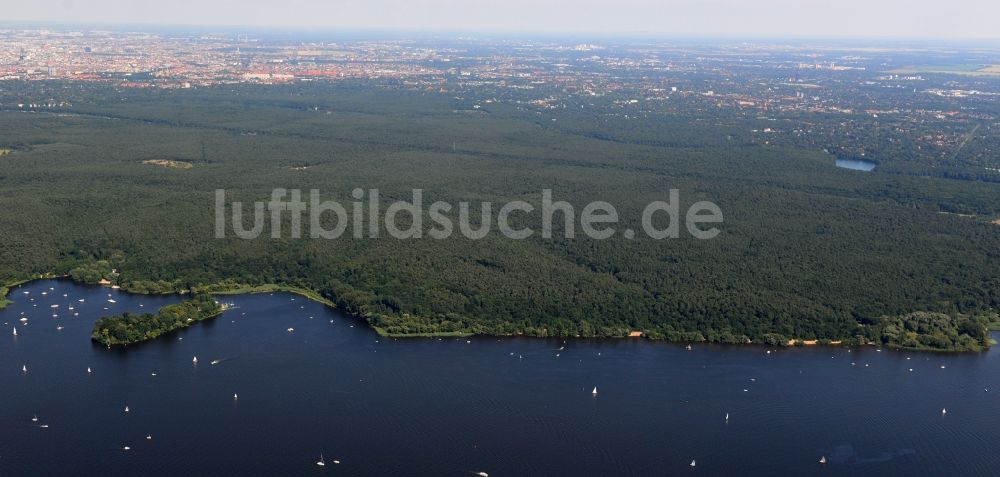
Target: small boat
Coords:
[(111, 301), (34, 418), (727, 417), (822, 460), (126, 408), (194, 360), (54, 306), (944, 411), (126, 448), (215, 361), (290, 330), (692, 463), (321, 462), (24, 369), (149, 437), (594, 392), (59, 328), (482, 474), (15, 331), (88, 370), (235, 396), (24, 320), (81, 300), (688, 347), (43, 426)]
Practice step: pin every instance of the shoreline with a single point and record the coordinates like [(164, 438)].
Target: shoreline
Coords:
[(231, 290), (269, 288), (5, 288)]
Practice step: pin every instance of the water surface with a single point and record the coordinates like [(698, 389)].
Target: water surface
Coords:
[(509, 407), (856, 164)]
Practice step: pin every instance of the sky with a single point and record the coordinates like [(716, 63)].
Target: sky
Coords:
[(951, 19)]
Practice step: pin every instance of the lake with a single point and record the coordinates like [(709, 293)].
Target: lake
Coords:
[(440, 407), (856, 164)]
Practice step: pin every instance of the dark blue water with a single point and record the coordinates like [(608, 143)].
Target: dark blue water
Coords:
[(856, 164), (509, 407)]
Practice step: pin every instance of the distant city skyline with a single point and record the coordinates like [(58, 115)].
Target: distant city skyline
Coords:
[(956, 19)]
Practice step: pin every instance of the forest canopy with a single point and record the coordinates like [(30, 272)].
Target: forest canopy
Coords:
[(806, 251), (129, 328)]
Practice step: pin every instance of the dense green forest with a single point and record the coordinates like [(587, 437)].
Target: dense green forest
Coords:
[(806, 251), (129, 328)]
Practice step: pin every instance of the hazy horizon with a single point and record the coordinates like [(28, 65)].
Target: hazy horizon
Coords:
[(892, 19)]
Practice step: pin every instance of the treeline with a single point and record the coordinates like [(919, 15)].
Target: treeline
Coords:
[(129, 328), (937, 331)]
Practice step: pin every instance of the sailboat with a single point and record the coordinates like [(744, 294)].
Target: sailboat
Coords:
[(88, 370), (321, 462), (34, 418), (594, 392), (944, 411), (15, 331), (822, 460), (692, 463), (24, 369), (727, 417), (126, 408), (194, 360)]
